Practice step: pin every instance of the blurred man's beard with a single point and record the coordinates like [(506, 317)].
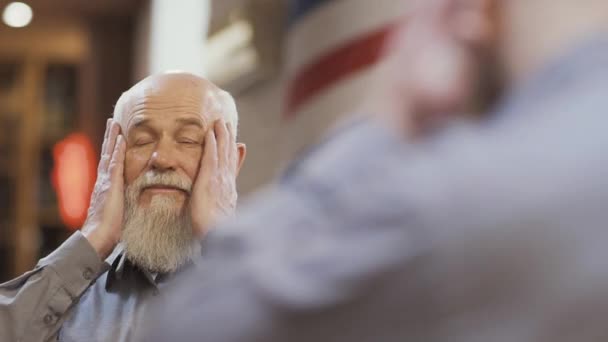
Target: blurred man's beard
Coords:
[(158, 238)]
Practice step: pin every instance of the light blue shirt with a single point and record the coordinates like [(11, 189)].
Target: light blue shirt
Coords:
[(496, 232)]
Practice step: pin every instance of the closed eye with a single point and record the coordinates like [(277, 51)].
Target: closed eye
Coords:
[(188, 142), (143, 142), (187, 139)]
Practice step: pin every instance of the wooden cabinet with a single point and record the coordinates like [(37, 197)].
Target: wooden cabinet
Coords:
[(10, 79), (36, 109), (39, 93), (61, 74)]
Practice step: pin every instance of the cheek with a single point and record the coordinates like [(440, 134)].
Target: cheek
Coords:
[(135, 164), (191, 161)]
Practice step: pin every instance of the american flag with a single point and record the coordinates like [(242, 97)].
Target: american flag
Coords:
[(330, 48)]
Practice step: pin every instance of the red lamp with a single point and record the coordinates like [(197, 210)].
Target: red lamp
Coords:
[(73, 177)]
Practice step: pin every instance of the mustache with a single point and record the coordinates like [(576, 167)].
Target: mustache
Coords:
[(166, 179)]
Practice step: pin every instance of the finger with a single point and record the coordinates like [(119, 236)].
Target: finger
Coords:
[(232, 153), (108, 126), (111, 142), (223, 145), (117, 162), (209, 160), (114, 132), (104, 145)]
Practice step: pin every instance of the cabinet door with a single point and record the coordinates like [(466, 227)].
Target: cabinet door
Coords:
[(10, 115)]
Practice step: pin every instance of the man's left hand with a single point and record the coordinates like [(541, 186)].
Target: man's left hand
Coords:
[(214, 193)]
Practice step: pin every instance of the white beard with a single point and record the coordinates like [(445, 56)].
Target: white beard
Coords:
[(159, 238)]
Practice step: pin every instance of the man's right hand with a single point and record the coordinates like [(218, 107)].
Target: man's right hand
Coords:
[(103, 225), (430, 67)]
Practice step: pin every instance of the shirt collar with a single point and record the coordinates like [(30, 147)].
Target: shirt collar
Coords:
[(120, 266)]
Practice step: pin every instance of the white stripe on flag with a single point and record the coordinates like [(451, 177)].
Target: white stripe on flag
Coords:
[(334, 24), (312, 120)]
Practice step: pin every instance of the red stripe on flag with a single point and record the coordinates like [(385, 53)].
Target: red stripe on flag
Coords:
[(354, 56)]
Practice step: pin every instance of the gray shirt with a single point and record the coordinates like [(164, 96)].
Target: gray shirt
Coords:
[(73, 295), (494, 232)]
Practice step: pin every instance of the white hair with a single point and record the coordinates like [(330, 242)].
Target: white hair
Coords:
[(224, 103), (218, 99)]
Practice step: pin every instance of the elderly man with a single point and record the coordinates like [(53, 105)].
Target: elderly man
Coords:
[(495, 232), (167, 171)]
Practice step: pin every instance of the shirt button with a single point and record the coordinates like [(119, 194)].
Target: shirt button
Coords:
[(48, 319), (87, 274)]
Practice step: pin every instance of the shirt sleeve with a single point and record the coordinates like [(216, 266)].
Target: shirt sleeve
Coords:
[(33, 305)]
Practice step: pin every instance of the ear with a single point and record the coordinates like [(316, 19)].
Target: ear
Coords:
[(242, 152)]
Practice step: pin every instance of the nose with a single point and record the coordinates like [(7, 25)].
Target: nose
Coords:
[(164, 157)]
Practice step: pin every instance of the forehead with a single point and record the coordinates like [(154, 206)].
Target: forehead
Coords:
[(170, 101)]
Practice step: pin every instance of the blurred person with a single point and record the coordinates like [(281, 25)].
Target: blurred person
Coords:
[(168, 166), (494, 231)]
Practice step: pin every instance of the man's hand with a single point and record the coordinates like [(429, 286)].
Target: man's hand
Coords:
[(214, 192), (428, 73), (103, 225)]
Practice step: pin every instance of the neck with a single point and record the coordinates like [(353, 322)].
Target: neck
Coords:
[(538, 31)]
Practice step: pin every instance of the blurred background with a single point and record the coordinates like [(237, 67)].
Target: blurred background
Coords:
[(293, 67)]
